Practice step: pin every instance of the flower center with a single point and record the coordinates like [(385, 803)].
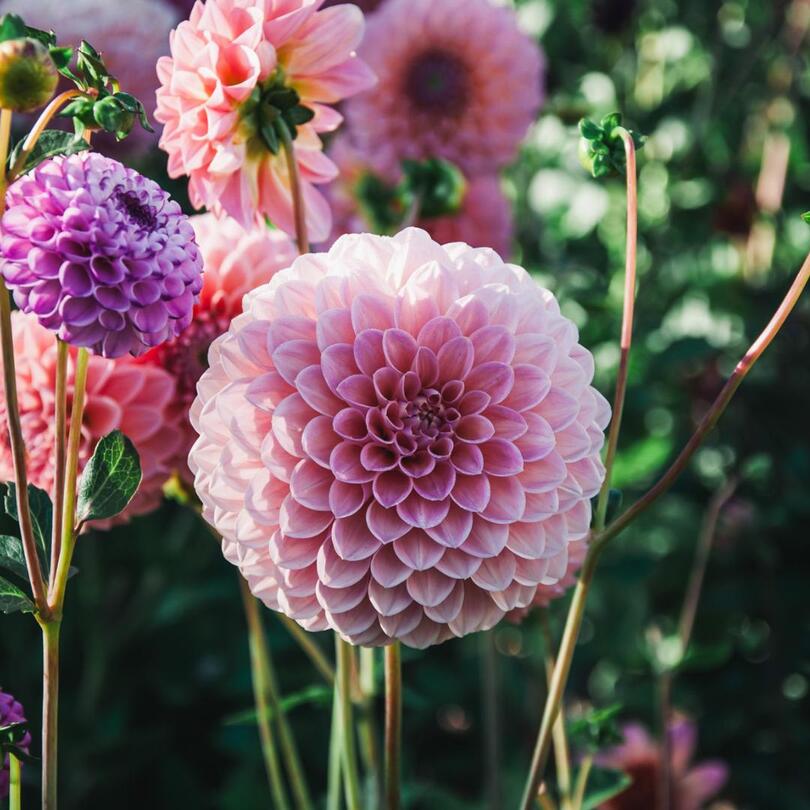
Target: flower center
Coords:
[(438, 82), (130, 205)]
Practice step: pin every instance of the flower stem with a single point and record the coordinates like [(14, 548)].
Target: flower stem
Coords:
[(491, 721), (351, 780), (601, 539), (60, 407), (299, 209), (626, 339), (310, 648), (260, 694), (38, 587), (366, 726), (582, 782), (393, 724), (335, 755), (15, 783), (50, 711), (39, 127)]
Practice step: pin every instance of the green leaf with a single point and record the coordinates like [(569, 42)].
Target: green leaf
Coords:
[(11, 556), (110, 478), (603, 785), (596, 729), (51, 143), (320, 695), (12, 27), (13, 600), (47, 38), (806, 217), (589, 129), (39, 503), (61, 56)]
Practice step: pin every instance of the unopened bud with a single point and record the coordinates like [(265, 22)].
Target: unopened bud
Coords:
[(28, 75)]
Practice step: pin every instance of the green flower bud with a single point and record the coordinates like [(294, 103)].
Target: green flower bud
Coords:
[(28, 75)]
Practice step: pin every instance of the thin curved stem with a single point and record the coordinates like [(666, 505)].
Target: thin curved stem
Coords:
[(577, 609), (626, 339), (351, 780), (309, 647), (60, 406), (299, 208), (333, 797), (393, 724), (261, 688), (15, 783), (39, 127)]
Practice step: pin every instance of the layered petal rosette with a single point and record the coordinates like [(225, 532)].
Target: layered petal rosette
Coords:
[(238, 70), (458, 81), (399, 440), (100, 254)]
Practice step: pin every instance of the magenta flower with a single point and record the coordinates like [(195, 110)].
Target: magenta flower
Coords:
[(462, 84), (398, 440), (235, 262), (237, 66), (11, 712), (100, 254), (640, 757), (120, 395)]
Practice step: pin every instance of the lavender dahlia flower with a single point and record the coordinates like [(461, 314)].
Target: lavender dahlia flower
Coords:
[(11, 712), (100, 254), (399, 439)]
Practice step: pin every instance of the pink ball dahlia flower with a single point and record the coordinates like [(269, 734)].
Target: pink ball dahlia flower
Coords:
[(484, 219), (120, 395), (640, 757), (239, 70), (100, 254), (11, 712), (462, 84), (131, 36), (236, 261), (398, 439)]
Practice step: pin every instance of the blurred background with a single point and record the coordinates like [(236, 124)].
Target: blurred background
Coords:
[(157, 679)]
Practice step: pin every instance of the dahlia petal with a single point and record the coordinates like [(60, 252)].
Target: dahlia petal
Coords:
[(368, 351), (316, 392), (471, 492), (507, 502), (474, 429), (340, 600), (337, 363), (437, 485), (417, 550), (539, 439), (456, 359), (496, 573), (493, 344), (543, 475), (309, 485), (294, 553), (501, 458), (371, 312), (478, 613), (347, 466), (318, 440), (387, 568), (486, 539), (352, 539), (530, 387), (294, 356), (296, 520), (358, 390), (559, 409), (289, 420), (400, 624), (349, 424), (540, 505), (429, 588), (422, 513), (445, 611), (345, 499), (494, 379), (334, 326), (467, 458), (458, 564), (437, 332), (386, 600), (399, 348), (337, 572), (454, 530), (392, 488)]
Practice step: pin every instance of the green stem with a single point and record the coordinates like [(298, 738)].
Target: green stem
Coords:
[(351, 779), (333, 797), (299, 209), (15, 783), (60, 406), (50, 711), (491, 720), (393, 724), (261, 690), (366, 726), (577, 609), (310, 648), (582, 782)]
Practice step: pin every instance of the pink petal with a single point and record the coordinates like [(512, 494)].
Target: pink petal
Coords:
[(399, 348), (318, 440), (437, 332), (494, 379), (458, 564), (454, 530), (313, 388), (471, 492), (455, 359), (388, 569), (392, 488), (309, 485), (294, 356), (385, 524), (371, 311), (336, 572), (501, 458), (543, 475), (508, 500), (467, 458), (352, 539), (337, 363), (421, 513), (436, 486), (486, 539), (346, 464), (358, 390), (368, 351), (530, 387), (539, 439), (493, 343), (496, 573), (345, 499), (417, 550), (386, 600), (296, 520), (429, 588)]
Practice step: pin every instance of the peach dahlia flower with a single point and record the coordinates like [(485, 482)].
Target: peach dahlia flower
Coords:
[(238, 70), (399, 439)]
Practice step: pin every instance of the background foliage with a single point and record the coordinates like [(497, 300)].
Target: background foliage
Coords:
[(157, 669)]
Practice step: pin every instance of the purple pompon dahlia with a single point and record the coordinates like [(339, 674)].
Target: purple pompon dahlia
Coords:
[(100, 254), (11, 712), (399, 439)]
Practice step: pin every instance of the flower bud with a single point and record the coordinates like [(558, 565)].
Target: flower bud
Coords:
[(28, 75)]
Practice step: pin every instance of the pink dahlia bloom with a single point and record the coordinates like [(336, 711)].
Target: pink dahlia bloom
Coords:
[(229, 62), (399, 440), (120, 395), (484, 219), (131, 36), (461, 84), (236, 261), (640, 757)]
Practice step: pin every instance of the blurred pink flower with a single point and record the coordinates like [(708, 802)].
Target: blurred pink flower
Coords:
[(235, 262), (484, 219), (459, 83), (131, 36), (640, 757), (366, 6), (399, 440), (121, 394), (228, 63)]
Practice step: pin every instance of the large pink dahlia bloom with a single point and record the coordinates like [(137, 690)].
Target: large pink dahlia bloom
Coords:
[(398, 440), (461, 83), (235, 261), (120, 395), (231, 64)]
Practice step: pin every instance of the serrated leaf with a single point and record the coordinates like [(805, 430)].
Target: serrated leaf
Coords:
[(14, 600), (310, 694), (110, 478), (12, 557), (39, 503), (603, 785), (51, 143)]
